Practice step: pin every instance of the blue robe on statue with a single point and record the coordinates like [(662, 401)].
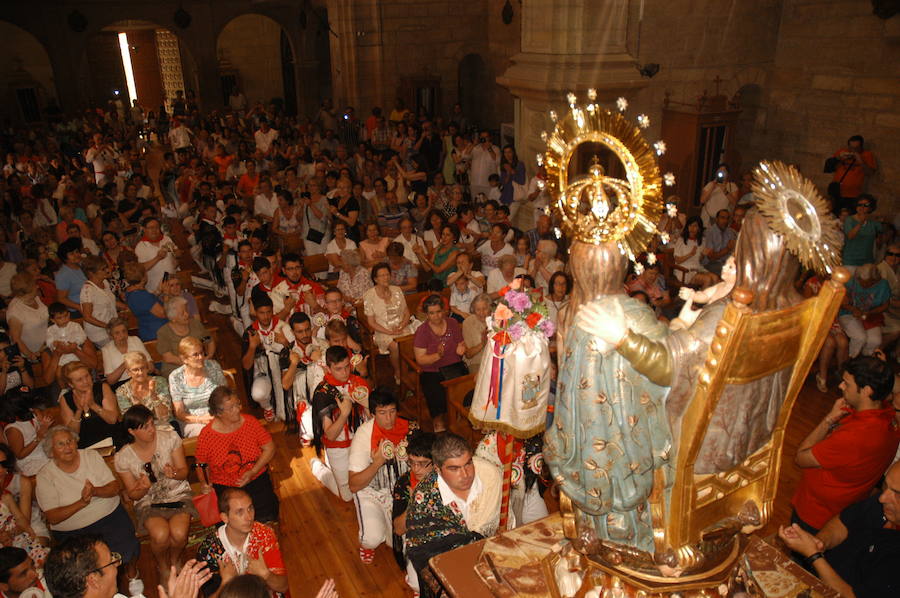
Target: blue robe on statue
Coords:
[(610, 431)]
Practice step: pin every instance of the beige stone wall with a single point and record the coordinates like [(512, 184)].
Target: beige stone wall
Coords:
[(252, 43), (383, 41), (836, 74)]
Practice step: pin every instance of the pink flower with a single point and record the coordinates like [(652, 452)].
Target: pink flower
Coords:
[(520, 302), (547, 327), (516, 331)]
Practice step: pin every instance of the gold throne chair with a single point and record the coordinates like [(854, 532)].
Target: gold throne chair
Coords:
[(700, 530)]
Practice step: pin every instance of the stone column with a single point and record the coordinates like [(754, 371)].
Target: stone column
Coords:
[(570, 45)]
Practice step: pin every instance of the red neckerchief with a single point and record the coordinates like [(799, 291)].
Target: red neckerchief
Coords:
[(413, 479), (229, 237), (352, 383), (144, 238), (394, 435), (271, 329)]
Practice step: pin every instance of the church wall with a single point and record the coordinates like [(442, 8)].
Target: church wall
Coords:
[(20, 50), (837, 74), (252, 43)]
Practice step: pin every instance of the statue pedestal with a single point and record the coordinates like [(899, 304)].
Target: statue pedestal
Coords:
[(485, 569)]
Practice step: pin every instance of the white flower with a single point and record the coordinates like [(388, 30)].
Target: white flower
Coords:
[(651, 258), (557, 233), (570, 97), (592, 94), (305, 288), (664, 237), (540, 184), (660, 147), (553, 116), (643, 121), (669, 179), (622, 104), (540, 159), (639, 269), (671, 210)]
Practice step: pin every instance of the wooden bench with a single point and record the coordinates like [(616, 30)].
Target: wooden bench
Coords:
[(315, 264), (458, 414)]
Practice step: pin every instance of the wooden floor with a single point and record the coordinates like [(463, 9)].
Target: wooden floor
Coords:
[(319, 532)]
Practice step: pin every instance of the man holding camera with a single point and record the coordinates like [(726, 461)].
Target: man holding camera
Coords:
[(719, 194), (850, 165), (262, 343)]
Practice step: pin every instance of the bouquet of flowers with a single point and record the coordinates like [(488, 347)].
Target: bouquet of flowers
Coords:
[(520, 312), (513, 383)]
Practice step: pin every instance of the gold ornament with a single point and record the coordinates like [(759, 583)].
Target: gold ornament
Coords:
[(794, 209), (598, 208)]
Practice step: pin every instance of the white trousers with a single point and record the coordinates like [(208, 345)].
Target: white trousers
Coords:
[(261, 391), (861, 340), (334, 474), (373, 514)]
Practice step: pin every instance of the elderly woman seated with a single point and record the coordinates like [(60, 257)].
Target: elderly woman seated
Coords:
[(88, 408), (80, 495), (113, 353), (354, 280), (236, 450), (143, 389), (154, 470), (145, 306), (191, 385), (180, 325), (503, 275), (387, 314), (475, 332)]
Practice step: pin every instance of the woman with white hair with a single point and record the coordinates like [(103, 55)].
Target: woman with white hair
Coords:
[(355, 279), (179, 326), (503, 275), (113, 352), (545, 264), (862, 314), (143, 389), (475, 331), (191, 385)]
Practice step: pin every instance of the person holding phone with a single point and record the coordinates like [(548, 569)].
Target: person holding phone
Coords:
[(485, 161), (719, 194)]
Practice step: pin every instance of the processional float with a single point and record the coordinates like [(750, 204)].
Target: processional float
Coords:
[(666, 444)]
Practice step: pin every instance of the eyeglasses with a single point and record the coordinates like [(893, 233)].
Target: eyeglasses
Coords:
[(148, 469), (115, 559), (863, 205), (893, 254), (416, 464)]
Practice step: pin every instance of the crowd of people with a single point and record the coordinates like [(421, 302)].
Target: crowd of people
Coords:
[(105, 342)]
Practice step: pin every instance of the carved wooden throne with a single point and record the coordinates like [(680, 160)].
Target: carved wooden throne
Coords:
[(697, 531)]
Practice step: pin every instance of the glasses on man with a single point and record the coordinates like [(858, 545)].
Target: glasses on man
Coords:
[(863, 205), (893, 254), (115, 559), (419, 463)]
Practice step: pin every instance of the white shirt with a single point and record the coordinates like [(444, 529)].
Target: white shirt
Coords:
[(265, 206), (103, 308), (408, 245), (180, 137), (717, 201), (484, 165), (146, 251), (489, 257), (56, 488), (449, 498), (32, 319), (495, 280), (264, 140), (72, 333), (112, 358)]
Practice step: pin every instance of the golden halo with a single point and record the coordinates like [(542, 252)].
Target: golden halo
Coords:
[(795, 210), (631, 222)]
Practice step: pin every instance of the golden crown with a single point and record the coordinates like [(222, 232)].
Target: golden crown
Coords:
[(598, 208)]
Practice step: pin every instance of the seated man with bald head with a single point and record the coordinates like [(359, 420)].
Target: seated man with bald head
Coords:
[(857, 552)]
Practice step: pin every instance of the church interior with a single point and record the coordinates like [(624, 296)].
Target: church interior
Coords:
[(694, 102)]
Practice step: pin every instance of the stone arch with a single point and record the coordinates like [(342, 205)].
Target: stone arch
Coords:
[(256, 54), (27, 84), (473, 79), (158, 54)]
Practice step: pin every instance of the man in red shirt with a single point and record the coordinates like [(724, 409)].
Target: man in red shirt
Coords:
[(846, 454), (853, 164)]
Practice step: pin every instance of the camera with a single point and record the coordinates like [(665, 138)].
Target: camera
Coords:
[(12, 351), (346, 116), (721, 174)]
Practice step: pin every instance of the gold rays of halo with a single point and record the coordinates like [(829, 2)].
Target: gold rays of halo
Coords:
[(795, 210), (632, 222)]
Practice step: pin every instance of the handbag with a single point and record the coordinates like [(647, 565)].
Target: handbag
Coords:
[(454, 370), (834, 187), (313, 235), (208, 508)]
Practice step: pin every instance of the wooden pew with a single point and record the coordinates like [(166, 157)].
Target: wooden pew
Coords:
[(315, 264), (457, 414)]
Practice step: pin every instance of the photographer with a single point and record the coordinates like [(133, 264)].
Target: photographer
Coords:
[(719, 194), (13, 372), (850, 165)]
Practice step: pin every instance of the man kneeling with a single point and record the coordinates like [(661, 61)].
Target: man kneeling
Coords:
[(378, 457), (456, 504)]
